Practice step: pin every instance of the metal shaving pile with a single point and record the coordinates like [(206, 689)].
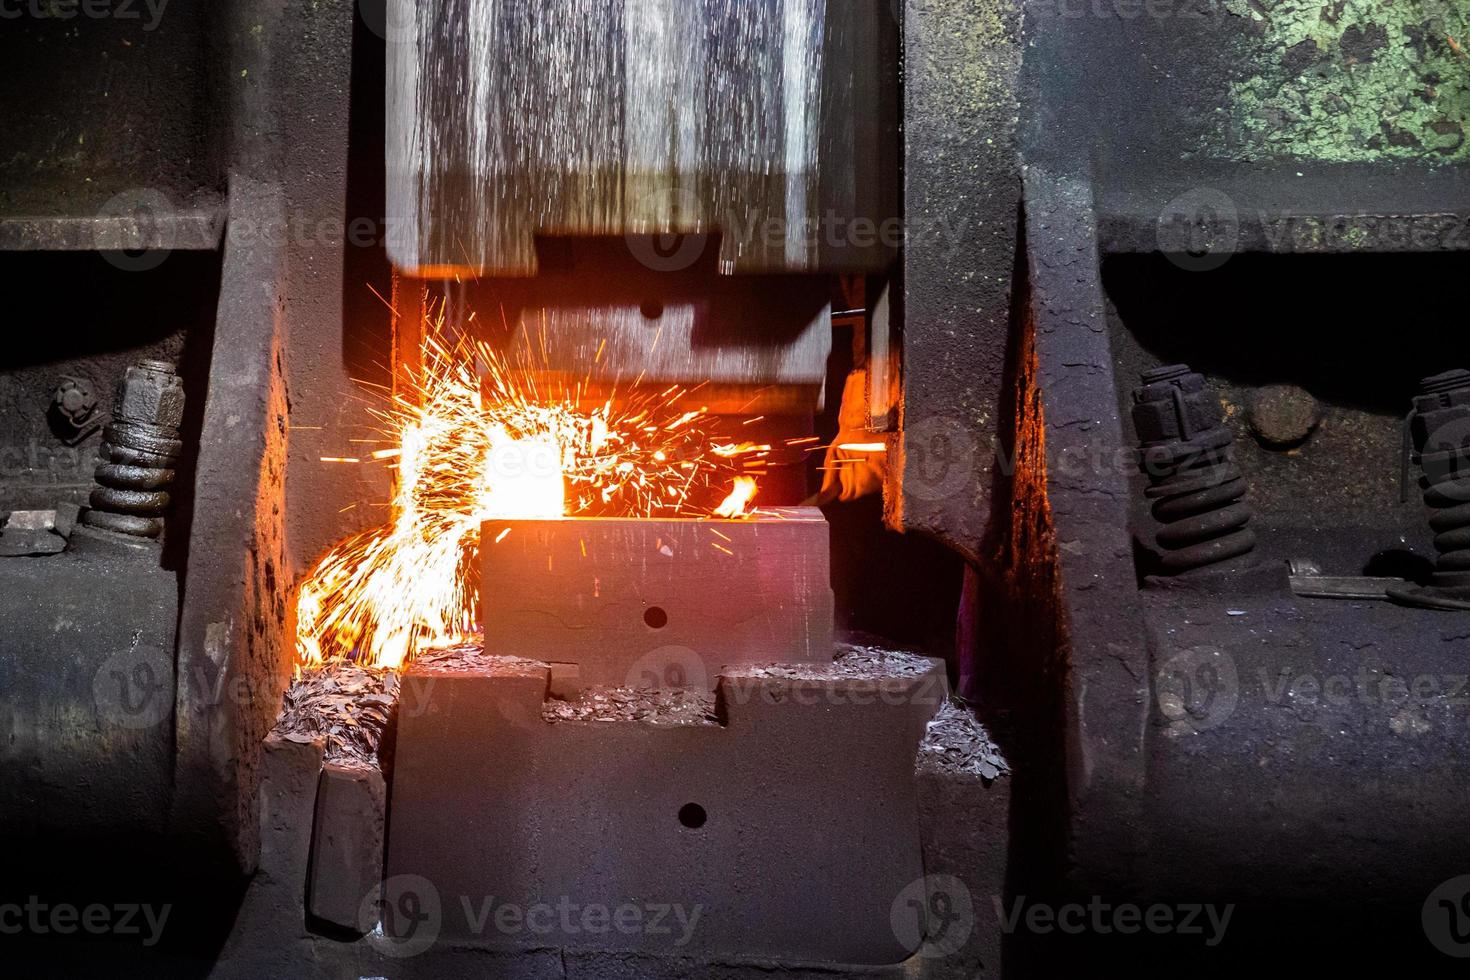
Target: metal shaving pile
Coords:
[(470, 657), (662, 708), (957, 744), (348, 704), (853, 662)]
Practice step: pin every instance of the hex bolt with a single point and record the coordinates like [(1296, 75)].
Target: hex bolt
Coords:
[(1440, 427), (1195, 488), (75, 401), (151, 393), (141, 449)]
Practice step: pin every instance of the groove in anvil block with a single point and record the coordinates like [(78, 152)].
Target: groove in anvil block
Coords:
[(659, 603)]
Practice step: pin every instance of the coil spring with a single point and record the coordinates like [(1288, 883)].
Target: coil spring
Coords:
[(139, 455), (1197, 490), (132, 496), (1441, 430)]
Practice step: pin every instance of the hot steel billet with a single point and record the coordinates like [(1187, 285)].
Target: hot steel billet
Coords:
[(659, 603)]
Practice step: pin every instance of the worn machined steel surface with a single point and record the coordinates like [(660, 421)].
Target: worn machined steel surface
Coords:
[(87, 671), (1104, 687), (642, 603), (602, 349), (1327, 764), (962, 198), (508, 119), (786, 826), (598, 321)]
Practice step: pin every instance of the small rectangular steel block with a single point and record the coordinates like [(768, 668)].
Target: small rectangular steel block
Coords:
[(291, 771), (347, 844)]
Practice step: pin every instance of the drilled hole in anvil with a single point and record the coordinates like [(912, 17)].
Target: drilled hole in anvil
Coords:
[(652, 309), (692, 815), (655, 617)]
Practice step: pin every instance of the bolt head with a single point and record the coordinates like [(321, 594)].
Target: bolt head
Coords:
[(152, 394), (75, 399)]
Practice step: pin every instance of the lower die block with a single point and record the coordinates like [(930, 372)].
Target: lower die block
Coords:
[(783, 824)]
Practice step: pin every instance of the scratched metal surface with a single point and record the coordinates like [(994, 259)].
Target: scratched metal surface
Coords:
[(513, 118), (621, 346)]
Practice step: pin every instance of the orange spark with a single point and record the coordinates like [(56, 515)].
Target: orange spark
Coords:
[(731, 450), (484, 435), (738, 503)]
